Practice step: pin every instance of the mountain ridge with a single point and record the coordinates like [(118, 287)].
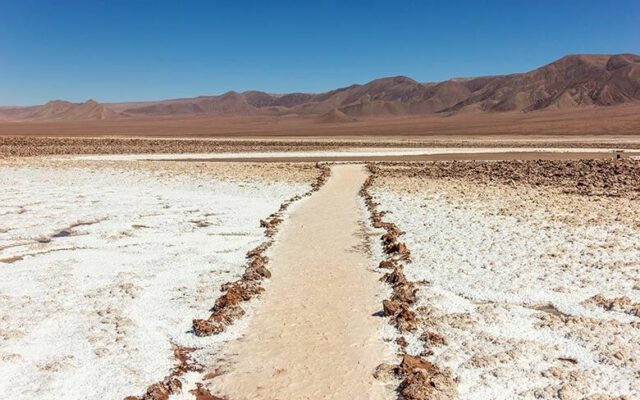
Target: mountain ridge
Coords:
[(573, 81)]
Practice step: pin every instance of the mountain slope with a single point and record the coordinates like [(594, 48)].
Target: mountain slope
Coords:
[(570, 82)]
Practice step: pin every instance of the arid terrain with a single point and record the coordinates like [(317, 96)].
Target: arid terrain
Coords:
[(527, 274), (573, 98), (198, 273), (468, 239), (319, 200)]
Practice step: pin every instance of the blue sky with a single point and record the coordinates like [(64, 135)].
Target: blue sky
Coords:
[(136, 50)]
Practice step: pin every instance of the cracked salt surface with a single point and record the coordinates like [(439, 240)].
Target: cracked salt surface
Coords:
[(498, 286), (93, 312)]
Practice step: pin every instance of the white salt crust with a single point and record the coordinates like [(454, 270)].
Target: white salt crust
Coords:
[(351, 152), (493, 281), (93, 313)]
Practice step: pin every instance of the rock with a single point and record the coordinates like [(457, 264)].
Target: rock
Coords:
[(256, 270), (227, 315), (567, 392), (433, 339), (396, 277), (258, 250), (389, 238), (387, 264), (201, 393), (405, 293), (423, 381), (620, 304), (390, 308), (232, 296), (401, 316), (406, 319), (396, 248), (385, 372), (202, 327), (161, 390), (410, 363)]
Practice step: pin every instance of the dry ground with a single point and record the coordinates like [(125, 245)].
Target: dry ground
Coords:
[(527, 274), (614, 123)]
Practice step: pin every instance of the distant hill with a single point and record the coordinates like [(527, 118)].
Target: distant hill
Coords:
[(571, 82)]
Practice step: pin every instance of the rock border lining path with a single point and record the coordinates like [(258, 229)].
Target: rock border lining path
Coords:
[(227, 309), (419, 378)]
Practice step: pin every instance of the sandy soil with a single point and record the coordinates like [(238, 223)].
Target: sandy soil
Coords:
[(314, 335), (529, 287), (602, 122)]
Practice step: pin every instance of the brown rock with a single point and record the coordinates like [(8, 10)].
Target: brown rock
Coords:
[(401, 316), (424, 381), (568, 392), (232, 297), (390, 308), (433, 339), (256, 270), (406, 319), (162, 390), (387, 264), (202, 327), (226, 315), (389, 237), (397, 248), (201, 393), (396, 277), (405, 293), (385, 372), (258, 250), (410, 363)]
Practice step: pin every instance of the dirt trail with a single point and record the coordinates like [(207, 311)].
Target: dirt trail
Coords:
[(314, 334)]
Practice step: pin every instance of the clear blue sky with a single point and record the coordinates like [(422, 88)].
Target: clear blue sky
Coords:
[(136, 50)]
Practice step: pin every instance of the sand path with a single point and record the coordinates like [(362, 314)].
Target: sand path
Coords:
[(313, 335)]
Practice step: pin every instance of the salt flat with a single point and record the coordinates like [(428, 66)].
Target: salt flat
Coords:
[(509, 276), (527, 275), (103, 268), (345, 152)]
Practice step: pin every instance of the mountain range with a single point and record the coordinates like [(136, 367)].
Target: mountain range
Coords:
[(573, 81)]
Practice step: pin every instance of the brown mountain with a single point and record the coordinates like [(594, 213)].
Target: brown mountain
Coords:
[(571, 82), (582, 80), (335, 116), (60, 110)]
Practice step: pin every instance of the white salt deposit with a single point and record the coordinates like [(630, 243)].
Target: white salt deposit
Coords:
[(497, 285), (342, 153), (101, 271)]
